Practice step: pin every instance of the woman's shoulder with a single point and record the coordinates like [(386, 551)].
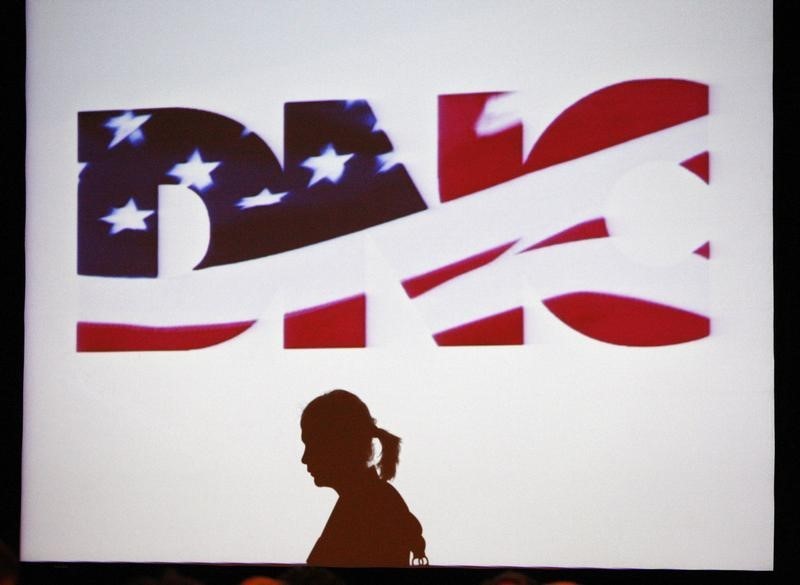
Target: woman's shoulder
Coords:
[(383, 494), (387, 507)]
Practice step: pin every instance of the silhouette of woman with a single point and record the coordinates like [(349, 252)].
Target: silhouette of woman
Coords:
[(370, 525)]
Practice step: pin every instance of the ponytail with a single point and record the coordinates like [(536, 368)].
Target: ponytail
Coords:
[(390, 453)]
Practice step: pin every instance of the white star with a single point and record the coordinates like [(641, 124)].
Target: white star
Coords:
[(387, 161), (328, 165), (266, 197), (195, 171), (126, 126), (81, 167), (129, 217)]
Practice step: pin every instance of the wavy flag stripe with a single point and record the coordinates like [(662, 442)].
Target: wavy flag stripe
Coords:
[(700, 165), (587, 230), (424, 282), (505, 328), (627, 321), (340, 323), (121, 337)]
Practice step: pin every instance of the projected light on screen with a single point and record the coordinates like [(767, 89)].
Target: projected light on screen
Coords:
[(535, 240)]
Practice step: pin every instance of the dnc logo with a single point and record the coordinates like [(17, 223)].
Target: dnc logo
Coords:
[(189, 225)]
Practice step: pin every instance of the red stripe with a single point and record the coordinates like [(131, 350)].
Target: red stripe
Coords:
[(616, 114), (506, 328), (588, 230), (704, 250), (699, 165), (469, 163), (627, 321), (418, 285), (341, 323), (122, 337)]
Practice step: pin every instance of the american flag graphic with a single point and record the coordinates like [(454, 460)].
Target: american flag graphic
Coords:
[(519, 221)]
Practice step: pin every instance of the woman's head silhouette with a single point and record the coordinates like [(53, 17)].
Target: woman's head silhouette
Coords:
[(337, 430)]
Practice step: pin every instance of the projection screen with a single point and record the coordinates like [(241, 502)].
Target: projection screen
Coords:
[(534, 238)]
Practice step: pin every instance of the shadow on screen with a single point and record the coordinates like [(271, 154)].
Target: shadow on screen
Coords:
[(370, 525)]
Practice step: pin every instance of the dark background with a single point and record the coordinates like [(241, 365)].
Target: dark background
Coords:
[(12, 237)]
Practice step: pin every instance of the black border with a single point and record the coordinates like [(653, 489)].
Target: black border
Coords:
[(12, 237)]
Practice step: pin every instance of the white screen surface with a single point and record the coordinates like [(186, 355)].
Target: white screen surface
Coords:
[(563, 451)]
